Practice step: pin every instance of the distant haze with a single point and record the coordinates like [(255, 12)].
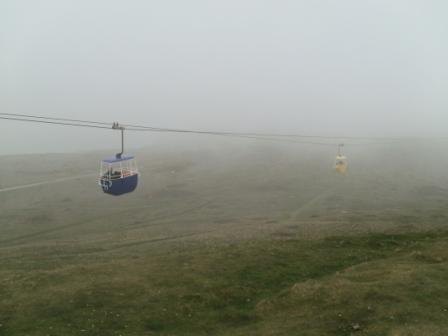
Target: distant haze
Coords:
[(350, 67)]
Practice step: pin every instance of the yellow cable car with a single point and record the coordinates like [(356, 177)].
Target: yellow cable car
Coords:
[(341, 162)]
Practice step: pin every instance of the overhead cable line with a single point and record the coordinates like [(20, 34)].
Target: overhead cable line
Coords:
[(174, 130), (55, 122), (257, 136), (274, 135), (134, 127), (52, 118), (80, 124)]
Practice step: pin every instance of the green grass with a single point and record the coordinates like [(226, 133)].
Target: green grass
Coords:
[(369, 285)]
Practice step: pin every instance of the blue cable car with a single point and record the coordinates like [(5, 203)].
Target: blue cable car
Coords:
[(119, 174)]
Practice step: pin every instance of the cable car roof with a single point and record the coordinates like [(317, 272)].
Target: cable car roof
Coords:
[(120, 159)]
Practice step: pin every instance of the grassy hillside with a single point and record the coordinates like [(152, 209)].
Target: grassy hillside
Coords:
[(370, 285), (256, 241)]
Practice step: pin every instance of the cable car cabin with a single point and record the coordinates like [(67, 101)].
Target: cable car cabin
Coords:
[(118, 175), (341, 164)]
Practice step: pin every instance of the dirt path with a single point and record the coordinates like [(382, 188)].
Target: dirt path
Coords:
[(310, 205), (37, 184)]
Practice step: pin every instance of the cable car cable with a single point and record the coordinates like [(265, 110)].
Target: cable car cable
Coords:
[(99, 125), (52, 118), (171, 130), (137, 129), (168, 130), (256, 136), (55, 122)]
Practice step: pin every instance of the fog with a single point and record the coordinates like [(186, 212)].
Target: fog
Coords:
[(220, 235), (375, 68)]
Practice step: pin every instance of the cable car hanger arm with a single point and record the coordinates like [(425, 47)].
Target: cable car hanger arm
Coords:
[(117, 126)]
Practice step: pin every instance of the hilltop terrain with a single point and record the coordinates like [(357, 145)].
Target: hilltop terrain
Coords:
[(222, 239)]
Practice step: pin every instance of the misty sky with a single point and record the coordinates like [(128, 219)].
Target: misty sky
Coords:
[(352, 67)]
